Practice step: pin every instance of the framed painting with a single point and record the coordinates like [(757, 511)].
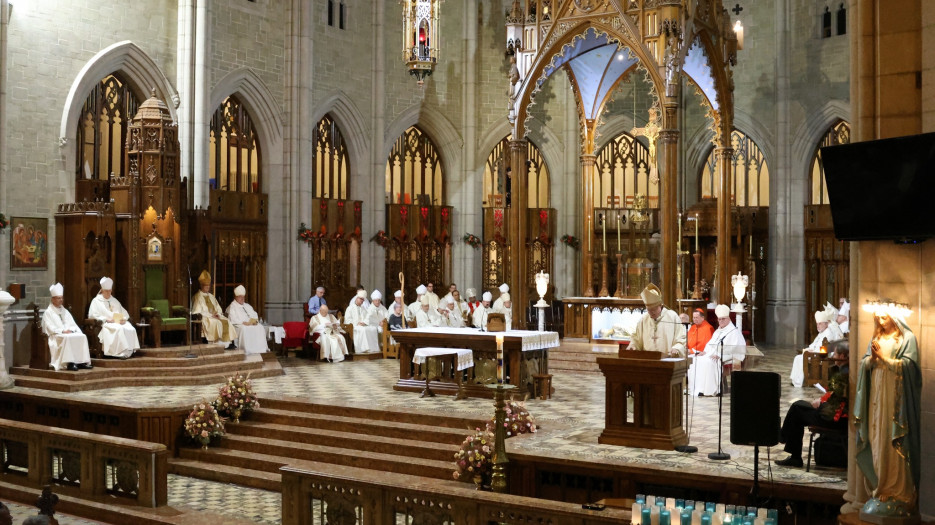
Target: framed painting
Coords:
[(29, 243)]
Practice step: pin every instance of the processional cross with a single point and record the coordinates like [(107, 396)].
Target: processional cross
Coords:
[(651, 132)]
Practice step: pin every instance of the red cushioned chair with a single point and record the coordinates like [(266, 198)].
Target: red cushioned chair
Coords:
[(296, 336)]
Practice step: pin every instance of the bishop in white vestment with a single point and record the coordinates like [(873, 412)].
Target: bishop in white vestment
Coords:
[(251, 335), (505, 308), (366, 337), (68, 346), (214, 326), (377, 313), (659, 329), (504, 289), (455, 317), (479, 317), (427, 318), (416, 306), (827, 329), (330, 338), (118, 335), (704, 374)]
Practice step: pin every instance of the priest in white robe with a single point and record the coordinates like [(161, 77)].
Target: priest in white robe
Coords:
[(479, 317), (366, 337), (118, 335), (416, 306), (455, 313), (452, 288), (68, 346), (844, 316), (505, 308), (215, 327), (377, 313), (504, 289), (659, 329), (330, 335), (704, 374), (433, 297), (460, 308), (827, 329), (251, 335), (427, 318)]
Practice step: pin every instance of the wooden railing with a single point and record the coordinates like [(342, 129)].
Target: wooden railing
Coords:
[(341, 495), (82, 464)]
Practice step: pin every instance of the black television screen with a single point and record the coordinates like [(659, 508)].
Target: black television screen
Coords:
[(882, 189)]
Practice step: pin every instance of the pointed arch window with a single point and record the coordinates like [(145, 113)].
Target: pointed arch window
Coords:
[(234, 150), (330, 164), (838, 133), (623, 171), (495, 175), (749, 182), (102, 129), (414, 171)]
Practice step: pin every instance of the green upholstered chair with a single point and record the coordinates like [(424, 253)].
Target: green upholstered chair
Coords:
[(157, 313)]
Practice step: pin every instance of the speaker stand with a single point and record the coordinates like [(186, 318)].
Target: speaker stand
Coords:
[(687, 449), (755, 491), (720, 455)]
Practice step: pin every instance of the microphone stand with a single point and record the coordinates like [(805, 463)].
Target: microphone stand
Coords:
[(720, 455), (688, 449), (190, 354)]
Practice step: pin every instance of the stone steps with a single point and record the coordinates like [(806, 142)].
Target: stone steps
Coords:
[(578, 357), (303, 406)]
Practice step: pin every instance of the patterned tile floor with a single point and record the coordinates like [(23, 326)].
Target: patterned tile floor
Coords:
[(571, 422)]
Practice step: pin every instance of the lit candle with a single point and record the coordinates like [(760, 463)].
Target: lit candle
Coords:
[(500, 359), (604, 231), (696, 233)]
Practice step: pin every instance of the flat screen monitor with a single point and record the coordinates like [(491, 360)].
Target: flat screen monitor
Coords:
[(882, 189)]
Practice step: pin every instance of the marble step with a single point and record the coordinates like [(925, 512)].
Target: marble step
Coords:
[(269, 455), (255, 365), (168, 362), (181, 351), (390, 429), (303, 406), (257, 479), (187, 367), (384, 445)]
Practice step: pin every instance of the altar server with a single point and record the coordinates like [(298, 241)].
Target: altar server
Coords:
[(330, 335), (659, 329), (251, 335), (704, 375), (366, 337), (118, 335), (68, 346), (214, 326)]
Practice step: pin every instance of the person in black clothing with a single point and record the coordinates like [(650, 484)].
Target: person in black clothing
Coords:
[(829, 411)]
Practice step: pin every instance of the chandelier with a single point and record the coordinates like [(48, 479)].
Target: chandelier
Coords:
[(420, 37)]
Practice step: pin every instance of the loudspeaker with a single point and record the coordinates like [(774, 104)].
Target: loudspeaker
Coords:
[(754, 408)]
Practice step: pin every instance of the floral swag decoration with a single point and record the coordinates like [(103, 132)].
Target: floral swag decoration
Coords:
[(4, 222), (570, 241), (380, 238), (474, 460), (306, 235), (236, 397), (471, 240), (204, 423)]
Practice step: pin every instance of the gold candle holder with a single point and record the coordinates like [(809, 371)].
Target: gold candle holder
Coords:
[(499, 460)]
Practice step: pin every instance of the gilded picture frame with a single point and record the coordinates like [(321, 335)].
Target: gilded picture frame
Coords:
[(29, 243)]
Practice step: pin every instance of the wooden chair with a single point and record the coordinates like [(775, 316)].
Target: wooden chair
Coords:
[(163, 318), (349, 329), (390, 349)]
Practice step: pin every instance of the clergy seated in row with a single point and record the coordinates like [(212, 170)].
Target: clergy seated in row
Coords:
[(215, 328), (827, 329), (68, 346), (366, 336), (449, 315), (426, 317), (433, 298), (704, 374), (416, 306), (472, 303), (251, 335), (377, 312), (118, 335), (699, 333), (360, 292), (504, 290), (844, 316), (459, 307), (506, 308), (452, 288), (659, 329), (327, 332), (479, 317)]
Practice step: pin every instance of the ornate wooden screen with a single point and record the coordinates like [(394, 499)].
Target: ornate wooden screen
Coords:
[(102, 136), (749, 174), (494, 195), (234, 159), (336, 248), (330, 164), (622, 172), (414, 172)]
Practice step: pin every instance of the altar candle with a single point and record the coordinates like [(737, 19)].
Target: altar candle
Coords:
[(499, 359), (637, 514), (604, 231), (696, 233)]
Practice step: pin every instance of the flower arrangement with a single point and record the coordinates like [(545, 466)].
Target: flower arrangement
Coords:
[(517, 420), (305, 234), (204, 423), (4, 222), (236, 396), (471, 240), (473, 459), (570, 241), (380, 238)]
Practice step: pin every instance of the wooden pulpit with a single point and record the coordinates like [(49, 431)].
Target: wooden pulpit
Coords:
[(655, 386)]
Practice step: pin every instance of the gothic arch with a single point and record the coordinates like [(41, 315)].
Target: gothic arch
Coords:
[(612, 127), (346, 115), (809, 133), (549, 144), (257, 98), (443, 133)]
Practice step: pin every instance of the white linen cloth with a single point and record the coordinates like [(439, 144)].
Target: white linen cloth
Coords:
[(117, 340), (530, 339), (465, 355), (64, 348), (251, 338), (277, 333)]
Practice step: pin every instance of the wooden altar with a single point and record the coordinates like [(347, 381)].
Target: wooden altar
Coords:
[(656, 388), (578, 312), (525, 353)]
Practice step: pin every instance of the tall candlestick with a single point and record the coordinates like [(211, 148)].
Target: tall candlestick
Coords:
[(604, 231), (499, 359), (618, 232), (696, 233), (590, 233), (751, 244), (679, 238)]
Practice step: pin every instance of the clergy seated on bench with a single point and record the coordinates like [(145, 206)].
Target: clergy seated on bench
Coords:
[(366, 335), (215, 328), (118, 335), (68, 346), (251, 335), (327, 334), (827, 329)]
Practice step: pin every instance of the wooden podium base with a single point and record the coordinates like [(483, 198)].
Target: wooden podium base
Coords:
[(656, 389)]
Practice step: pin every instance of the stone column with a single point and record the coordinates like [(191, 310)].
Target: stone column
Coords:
[(588, 167), (201, 113), (668, 205), (519, 205), (724, 269), (5, 380)]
